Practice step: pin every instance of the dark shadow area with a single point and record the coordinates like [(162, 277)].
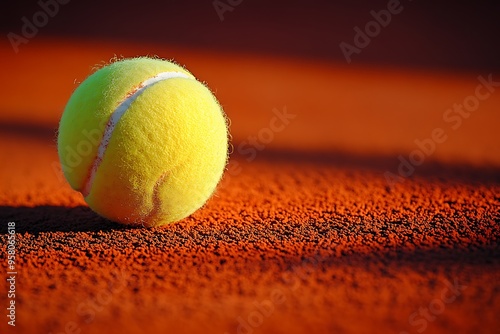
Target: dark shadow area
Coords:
[(421, 34), (387, 263), (28, 130), (55, 219), (459, 172), (482, 250), (430, 169)]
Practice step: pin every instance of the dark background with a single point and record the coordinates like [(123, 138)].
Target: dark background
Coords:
[(426, 34)]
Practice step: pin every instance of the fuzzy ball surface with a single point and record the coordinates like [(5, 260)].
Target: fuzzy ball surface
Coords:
[(144, 141)]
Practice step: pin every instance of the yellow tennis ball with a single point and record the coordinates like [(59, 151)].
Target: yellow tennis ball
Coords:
[(143, 141)]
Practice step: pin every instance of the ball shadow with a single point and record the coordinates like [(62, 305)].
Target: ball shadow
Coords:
[(55, 219)]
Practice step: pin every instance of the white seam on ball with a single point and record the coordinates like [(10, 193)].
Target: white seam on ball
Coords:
[(117, 114)]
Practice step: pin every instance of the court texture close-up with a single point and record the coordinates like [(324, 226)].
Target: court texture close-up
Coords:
[(247, 167)]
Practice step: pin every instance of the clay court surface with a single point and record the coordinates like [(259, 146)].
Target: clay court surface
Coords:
[(304, 235)]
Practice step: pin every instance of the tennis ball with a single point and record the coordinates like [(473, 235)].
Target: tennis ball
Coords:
[(143, 141)]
